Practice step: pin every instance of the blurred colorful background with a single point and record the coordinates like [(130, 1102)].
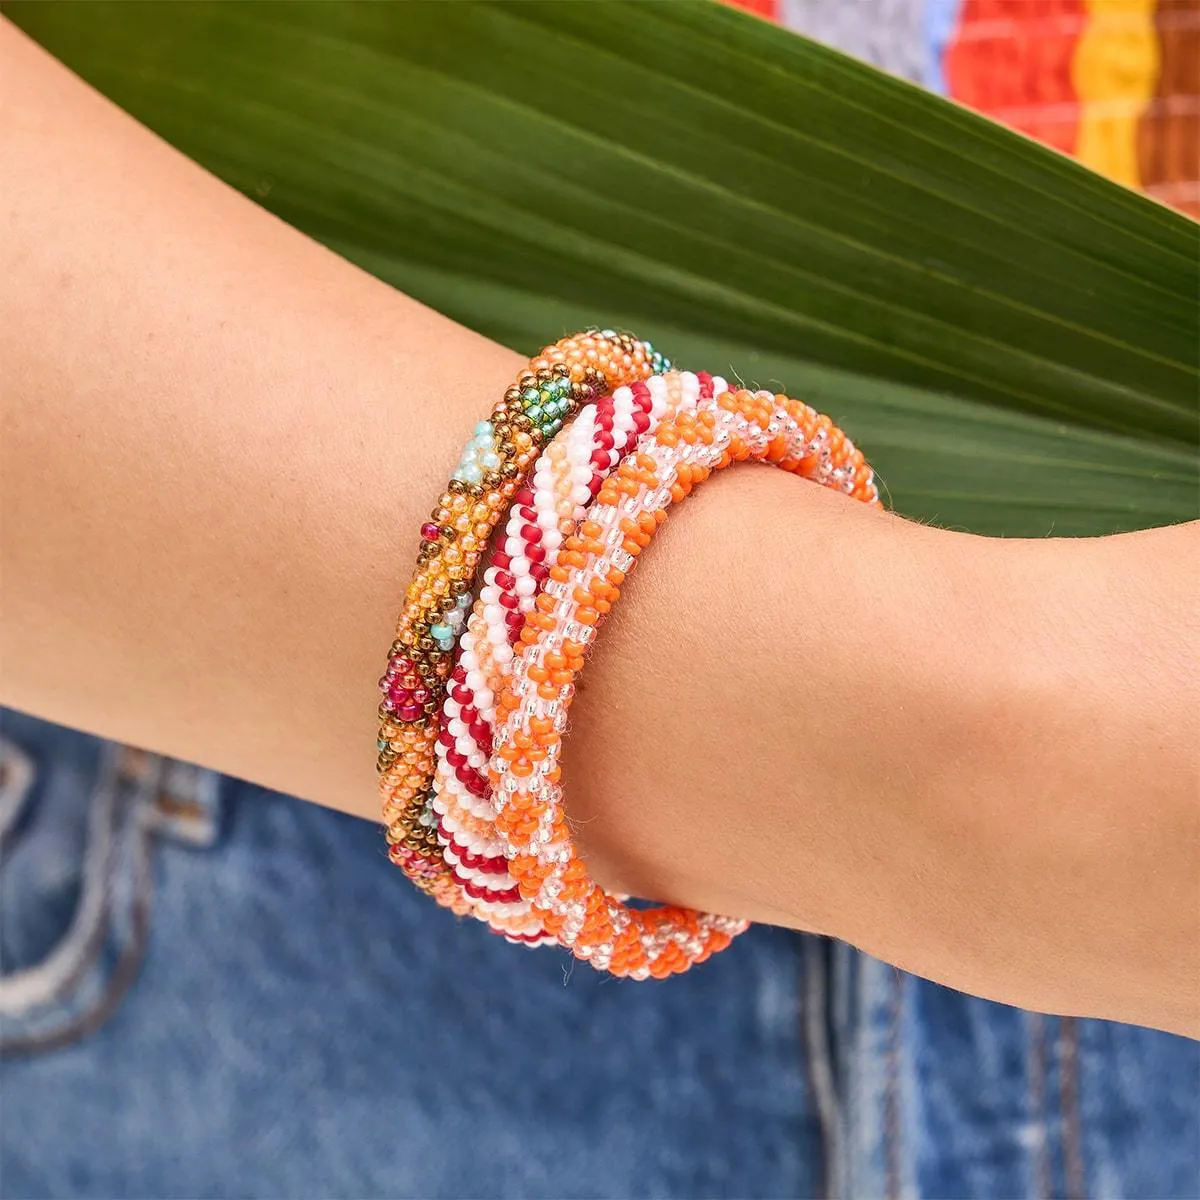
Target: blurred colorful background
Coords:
[(1116, 83)]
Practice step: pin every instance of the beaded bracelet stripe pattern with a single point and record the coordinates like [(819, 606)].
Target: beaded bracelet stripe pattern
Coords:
[(568, 475), (493, 466), (584, 582)]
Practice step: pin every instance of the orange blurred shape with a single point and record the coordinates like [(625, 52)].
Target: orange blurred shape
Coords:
[(1011, 59), (764, 8)]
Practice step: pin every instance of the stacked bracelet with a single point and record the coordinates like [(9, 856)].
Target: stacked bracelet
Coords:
[(493, 466), (481, 827)]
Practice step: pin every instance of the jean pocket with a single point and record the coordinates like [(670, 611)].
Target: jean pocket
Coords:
[(78, 821)]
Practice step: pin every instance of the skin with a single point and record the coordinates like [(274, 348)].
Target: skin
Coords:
[(974, 758)]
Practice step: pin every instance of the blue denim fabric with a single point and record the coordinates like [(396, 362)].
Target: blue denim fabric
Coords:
[(210, 990)]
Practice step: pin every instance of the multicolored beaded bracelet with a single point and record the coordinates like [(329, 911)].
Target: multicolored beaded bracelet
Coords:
[(567, 477), (494, 464), (583, 584)]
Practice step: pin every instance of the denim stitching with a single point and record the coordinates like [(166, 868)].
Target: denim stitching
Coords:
[(1037, 1104), (815, 1038), (47, 983), (1071, 1109), (891, 1096)]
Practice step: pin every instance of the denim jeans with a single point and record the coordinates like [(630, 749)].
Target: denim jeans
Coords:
[(210, 990)]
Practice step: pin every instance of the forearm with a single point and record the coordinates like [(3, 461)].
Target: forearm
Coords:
[(219, 441)]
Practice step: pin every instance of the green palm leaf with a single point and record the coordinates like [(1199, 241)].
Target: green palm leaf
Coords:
[(1013, 339)]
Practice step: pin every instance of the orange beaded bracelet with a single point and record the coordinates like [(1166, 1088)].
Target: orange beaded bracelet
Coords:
[(584, 582)]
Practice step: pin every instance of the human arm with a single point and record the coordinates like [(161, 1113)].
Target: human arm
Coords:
[(972, 757)]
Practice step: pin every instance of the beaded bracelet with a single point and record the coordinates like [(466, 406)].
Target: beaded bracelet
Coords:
[(583, 584), (495, 462), (567, 476)]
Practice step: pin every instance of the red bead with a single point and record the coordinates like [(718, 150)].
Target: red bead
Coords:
[(508, 896), (475, 783), (535, 552), (501, 561), (601, 459), (430, 532), (505, 581), (531, 533)]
